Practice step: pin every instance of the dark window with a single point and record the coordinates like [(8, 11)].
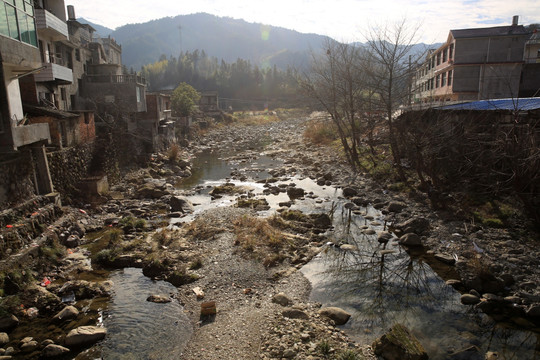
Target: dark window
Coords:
[(77, 54), (443, 81), (450, 78), (444, 55), (451, 51), (438, 58), (438, 81)]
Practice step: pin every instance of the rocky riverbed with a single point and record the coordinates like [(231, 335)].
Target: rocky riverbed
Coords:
[(254, 294)]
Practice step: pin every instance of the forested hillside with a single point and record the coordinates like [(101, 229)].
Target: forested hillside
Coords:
[(224, 38)]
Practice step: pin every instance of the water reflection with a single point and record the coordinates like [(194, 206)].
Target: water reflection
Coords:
[(381, 285)]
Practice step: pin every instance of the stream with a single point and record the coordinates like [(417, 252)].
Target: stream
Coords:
[(378, 286)]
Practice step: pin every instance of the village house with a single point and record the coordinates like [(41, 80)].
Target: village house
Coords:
[(157, 122), (473, 64), (24, 168)]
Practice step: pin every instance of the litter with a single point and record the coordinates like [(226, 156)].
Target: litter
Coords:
[(82, 211), (32, 312), (477, 248), (46, 281), (68, 298)]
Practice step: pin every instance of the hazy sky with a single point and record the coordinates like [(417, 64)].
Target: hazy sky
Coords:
[(343, 20)]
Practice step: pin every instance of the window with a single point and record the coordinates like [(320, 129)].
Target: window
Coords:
[(445, 55), (450, 78), (443, 81), (77, 54), (439, 59), (438, 81), (451, 51), (17, 21), (63, 94)]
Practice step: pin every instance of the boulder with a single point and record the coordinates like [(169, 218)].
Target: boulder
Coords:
[(410, 239), (294, 314), (418, 226), (72, 241), (349, 192), (67, 313), (399, 344), (295, 193), (4, 338), (85, 335), (384, 237), (181, 204), (281, 299), (8, 322), (53, 350), (396, 206), (338, 315)]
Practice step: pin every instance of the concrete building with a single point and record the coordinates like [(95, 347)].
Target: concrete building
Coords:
[(473, 64), (20, 58), (56, 55)]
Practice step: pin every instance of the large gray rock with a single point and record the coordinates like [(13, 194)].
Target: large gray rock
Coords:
[(181, 203), (53, 350), (281, 299), (399, 344), (295, 193), (339, 315), (294, 314), (85, 335), (67, 313), (418, 226), (8, 322), (410, 239), (396, 206)]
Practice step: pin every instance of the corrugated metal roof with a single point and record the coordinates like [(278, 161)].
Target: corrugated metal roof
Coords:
[(490, 31), (520, 104)]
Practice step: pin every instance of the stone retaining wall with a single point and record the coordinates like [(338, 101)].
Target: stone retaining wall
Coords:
[(68, 167), (16, 179)]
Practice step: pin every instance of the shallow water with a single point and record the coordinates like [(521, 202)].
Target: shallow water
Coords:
[(139, 329), (382, 287)]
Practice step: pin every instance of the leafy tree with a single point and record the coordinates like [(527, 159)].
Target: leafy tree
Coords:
[(184, 99)]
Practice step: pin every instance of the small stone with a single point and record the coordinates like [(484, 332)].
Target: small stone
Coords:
[(4, 338), (199, 293), (447, 259), (159, 299), (410, 239), (208, 308), (67, 313), (29, 346), (85, 335), (384, 237), (53, 350), (469, 299), (339, 315)]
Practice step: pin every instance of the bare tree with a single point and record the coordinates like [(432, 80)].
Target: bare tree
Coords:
[(389, 58), (337, 83)]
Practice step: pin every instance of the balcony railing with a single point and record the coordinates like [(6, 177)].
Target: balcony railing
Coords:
[(116, 79)]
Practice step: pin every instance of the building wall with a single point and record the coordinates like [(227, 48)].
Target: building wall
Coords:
[(14, 96)]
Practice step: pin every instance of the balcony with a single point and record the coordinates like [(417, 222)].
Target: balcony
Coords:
[(116, 79), (49, 25), (30, 134), (55, 72)]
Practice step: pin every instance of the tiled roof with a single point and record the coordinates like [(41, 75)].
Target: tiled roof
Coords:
[(490, 31), (519, 104)]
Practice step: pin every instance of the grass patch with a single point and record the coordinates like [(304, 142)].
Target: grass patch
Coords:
[(256, 118), (201, 229), (320, 132), (260, 239), (492, 213), (173, 153)]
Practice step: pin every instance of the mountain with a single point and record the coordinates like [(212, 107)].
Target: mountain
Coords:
[(100, 29), (221, 37)]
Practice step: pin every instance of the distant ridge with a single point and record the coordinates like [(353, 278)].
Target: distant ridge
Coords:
[(221, 37)]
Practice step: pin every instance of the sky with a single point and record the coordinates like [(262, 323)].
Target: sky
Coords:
[(343, 20)]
